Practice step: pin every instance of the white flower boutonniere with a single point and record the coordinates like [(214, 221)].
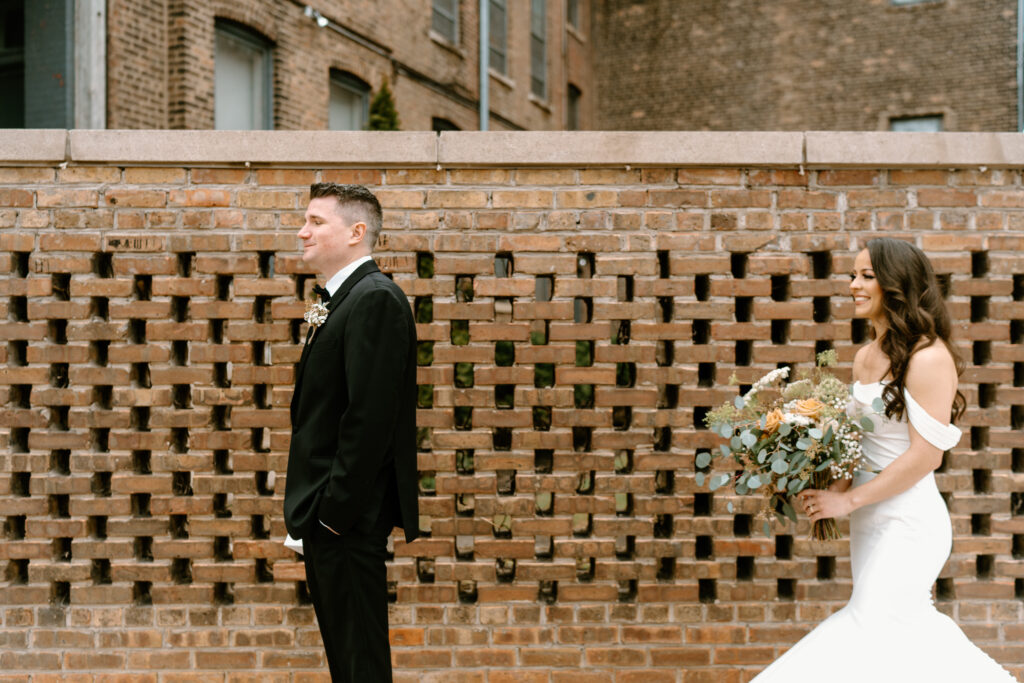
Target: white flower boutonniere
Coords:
[(316, 313)]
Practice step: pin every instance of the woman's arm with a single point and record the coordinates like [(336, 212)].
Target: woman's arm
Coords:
[(932, 381)]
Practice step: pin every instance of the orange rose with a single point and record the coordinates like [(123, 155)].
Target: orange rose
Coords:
[(772, 421), (809, 407)]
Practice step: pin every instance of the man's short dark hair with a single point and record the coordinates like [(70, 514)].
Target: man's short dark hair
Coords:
[(355, 204)]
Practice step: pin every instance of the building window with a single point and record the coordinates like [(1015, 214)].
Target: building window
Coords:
[(916, 124), (12, 65), (242, 79), (572, 109), (498, 31), (445, 20), (538, 49), (572, 13), (349, 107), (912, 2), (438, 124)]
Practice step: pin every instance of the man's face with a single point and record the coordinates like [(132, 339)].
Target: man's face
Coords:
[(328, 243)]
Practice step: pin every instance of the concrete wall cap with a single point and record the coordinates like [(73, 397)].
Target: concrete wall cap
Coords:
[(884, 149), (318, 148), (33, 146), (614, 148), (823, 149)]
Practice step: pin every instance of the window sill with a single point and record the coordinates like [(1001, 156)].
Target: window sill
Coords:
[(543, 104), (502, 78), (441, 41), (575, 33)]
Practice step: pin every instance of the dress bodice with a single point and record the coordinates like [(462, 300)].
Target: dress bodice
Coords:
[(891, 438)]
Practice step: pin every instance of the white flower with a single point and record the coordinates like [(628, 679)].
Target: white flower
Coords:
[(794, 419), (767, 381), (316, 313)]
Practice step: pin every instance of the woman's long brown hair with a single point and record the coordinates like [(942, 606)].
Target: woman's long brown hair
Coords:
[(916, 315)]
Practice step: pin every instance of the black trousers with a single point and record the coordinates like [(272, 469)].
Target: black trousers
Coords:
[(347, 581)]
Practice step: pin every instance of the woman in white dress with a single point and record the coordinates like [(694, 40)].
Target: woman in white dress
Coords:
[(900, 532)]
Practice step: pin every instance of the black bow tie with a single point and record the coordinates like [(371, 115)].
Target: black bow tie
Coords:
[(322, 293)]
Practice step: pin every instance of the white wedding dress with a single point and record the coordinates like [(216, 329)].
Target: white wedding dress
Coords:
[(890, 630)]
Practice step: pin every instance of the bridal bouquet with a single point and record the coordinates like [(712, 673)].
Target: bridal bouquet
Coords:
[(785, 438)]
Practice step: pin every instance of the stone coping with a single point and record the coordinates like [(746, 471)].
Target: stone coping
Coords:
[(33, 145), (328, 148), (811, 149), (615, 148)]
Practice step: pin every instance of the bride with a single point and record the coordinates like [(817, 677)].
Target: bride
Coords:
[(900, 532)]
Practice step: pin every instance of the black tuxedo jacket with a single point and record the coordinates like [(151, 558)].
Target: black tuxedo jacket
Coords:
[(352, 461)]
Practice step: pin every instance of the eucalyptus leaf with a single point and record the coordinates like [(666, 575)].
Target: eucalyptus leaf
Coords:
[(797, 465), (741, 489), (735, 443), (822, 466), (780, 466), (748, 439), (781, 483), (804, 444), (730, 507), (725, 430), (762, 455), (787, 510), (796, 485), (866, 424), (767, 528), (700, 478), (726, 451), (878, 405), (717, 482), (739, 402), (829, 435), (814, 433), (754, 482), (784, 429), (703, 459)]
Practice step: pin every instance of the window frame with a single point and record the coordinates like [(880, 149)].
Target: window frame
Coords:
[(454, 12), (539, 41), (501, 5), (572, 14), (352, 83), (921, 118), (250, 38)]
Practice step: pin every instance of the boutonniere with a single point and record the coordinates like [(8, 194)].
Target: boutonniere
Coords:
[(316, 313)]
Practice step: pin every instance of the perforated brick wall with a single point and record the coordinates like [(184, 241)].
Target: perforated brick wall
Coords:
[(575, 325)]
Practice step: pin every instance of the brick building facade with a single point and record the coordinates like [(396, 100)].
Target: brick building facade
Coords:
[(798, 65), (162, 62), (555, 64), (581, 299)]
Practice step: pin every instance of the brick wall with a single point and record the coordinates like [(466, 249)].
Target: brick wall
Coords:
[(794, 65), (577, 316), (161, 63)]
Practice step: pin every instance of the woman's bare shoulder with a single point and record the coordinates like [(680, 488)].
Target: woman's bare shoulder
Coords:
[(931, 365)]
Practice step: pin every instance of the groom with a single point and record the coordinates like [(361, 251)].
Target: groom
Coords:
[(352, 463)]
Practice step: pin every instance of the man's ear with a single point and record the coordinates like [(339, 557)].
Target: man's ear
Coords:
[(357, 234)]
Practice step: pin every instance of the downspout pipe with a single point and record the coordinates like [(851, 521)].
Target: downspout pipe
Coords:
[(485, 59)]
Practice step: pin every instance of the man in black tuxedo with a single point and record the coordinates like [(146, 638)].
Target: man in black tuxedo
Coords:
[(352, 464)]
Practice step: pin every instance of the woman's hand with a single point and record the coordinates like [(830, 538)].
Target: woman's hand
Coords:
[(819, 505)]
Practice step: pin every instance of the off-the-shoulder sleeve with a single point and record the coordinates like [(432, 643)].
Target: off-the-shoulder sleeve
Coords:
[(943, 436)]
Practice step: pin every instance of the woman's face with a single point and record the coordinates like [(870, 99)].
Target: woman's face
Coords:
[(867, 294)]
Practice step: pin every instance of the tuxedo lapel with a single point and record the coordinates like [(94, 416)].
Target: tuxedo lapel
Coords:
[(346, 287), (350, 282)]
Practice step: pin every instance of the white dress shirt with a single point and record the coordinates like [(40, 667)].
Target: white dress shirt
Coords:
[(338, 279)]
